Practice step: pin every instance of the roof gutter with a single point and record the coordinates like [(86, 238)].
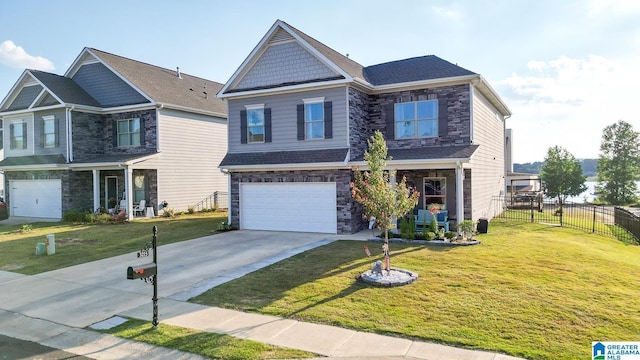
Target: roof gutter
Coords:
[(191, 110), (301, 166), (284, 89)]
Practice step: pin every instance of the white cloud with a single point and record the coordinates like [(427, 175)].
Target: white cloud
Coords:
[(568, 102), (613, 7), (449, 13), (16, 57)]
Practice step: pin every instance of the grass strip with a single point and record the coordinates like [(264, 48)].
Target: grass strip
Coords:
[(211, 345)]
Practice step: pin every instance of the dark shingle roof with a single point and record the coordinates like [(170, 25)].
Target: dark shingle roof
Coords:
[(112, 158), (430, 153), (66, 89), (163, 86), (285, 157), (413, 69), (33, 160)]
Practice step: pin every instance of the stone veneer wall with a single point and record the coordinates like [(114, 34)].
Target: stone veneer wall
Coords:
[(93, 134), (459, 110), (360, 129), (349, 213)]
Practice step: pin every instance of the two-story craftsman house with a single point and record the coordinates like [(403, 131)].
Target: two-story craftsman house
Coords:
[(300, 115), (111, 132)]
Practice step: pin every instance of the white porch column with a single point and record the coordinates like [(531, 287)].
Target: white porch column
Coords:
[(459, 193), (128, 175), (96, 189)]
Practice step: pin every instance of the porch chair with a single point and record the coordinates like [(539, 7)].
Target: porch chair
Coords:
[(140, 208), (122, 206)]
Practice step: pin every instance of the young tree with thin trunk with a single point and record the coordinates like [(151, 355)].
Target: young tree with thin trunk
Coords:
[(619, 164), (562, 175), (373, 189)]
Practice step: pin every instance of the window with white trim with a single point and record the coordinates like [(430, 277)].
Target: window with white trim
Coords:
[(435, 192), (1, 134), (416, 119), (18, 135), (49, 131), (313, 118), (255, 123), (129, 132)]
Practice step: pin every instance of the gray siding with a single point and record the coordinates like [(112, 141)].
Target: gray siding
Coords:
[(48, 100), (488, 161), (38, 125), (284, 120), (25, 97), (283, 63), (106, 87)]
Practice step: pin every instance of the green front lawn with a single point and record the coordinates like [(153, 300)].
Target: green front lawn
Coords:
[(81, 243), (215, 346), (528, 290)]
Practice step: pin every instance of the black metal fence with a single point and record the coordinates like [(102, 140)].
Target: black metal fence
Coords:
[(598, 219)]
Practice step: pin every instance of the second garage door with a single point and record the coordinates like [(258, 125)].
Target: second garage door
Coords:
[(305, 207), (36, 198)]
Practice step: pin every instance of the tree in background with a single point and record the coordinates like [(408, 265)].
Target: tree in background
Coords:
[(373, 189), (562, 175), (619, 164)]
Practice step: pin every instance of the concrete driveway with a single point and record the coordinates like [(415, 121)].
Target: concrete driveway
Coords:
[(82, 295)]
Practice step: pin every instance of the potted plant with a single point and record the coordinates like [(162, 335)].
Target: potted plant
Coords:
[(466, 228)]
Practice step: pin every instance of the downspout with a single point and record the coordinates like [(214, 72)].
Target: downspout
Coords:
[(226, 172), (70, 134)]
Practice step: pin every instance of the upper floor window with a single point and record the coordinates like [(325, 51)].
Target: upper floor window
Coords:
[(255, 123), (416, 119), (1, 135), (314, 118), (49, 131), (129, 132), (18, 135)]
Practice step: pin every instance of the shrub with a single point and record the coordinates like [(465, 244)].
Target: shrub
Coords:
[(433, 227), (26, 228), (467, 227), (168, 213), (450, 235), (73, 216), (225, 226), (430, 236), (191, 209), (214, 208)]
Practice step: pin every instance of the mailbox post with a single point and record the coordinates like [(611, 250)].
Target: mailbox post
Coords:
[(148, 272)]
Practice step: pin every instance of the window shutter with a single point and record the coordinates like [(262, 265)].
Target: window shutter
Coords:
[(443, 117), (56, 123), (391, 121), (300, 121), (12, 139), (267, 125), (328, 120), (243, 126), (115, 133), (142, 141), (42, 133), (24, 135)]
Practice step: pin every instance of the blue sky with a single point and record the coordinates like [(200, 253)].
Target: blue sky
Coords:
[(565, 68)]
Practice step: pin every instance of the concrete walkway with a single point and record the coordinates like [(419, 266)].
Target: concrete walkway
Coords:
[(54, 308)]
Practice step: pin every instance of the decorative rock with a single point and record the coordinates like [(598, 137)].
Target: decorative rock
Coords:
[(396, 277)]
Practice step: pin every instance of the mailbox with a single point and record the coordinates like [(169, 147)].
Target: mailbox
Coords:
[(142, 271)]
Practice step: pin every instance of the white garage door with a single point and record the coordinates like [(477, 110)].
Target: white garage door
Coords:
[(36, 198), (305, 207)]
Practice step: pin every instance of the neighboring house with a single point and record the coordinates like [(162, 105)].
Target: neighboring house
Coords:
[(300, 115), (111, 128)]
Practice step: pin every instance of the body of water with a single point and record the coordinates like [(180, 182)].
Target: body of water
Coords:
[(590, 194)]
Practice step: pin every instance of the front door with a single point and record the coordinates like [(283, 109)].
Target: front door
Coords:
[(111, 191)]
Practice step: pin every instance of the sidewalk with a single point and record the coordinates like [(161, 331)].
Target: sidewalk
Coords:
[(54, 308)]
